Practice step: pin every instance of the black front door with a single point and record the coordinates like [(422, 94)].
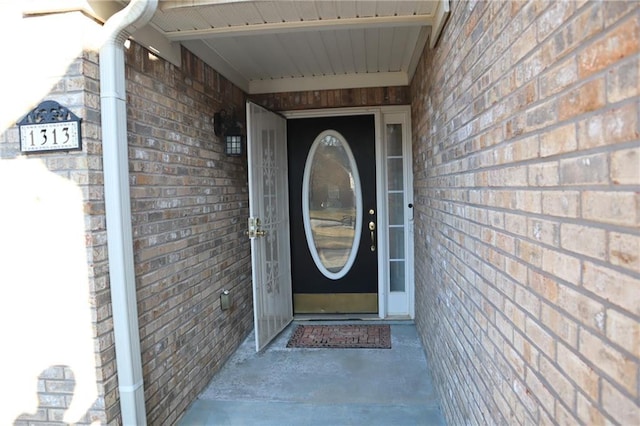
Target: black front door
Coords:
[(332, 196)]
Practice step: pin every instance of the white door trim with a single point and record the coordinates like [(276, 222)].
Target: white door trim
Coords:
[(402, 302), (379, 113)]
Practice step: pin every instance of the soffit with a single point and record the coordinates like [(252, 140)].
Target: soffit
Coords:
[(288, 45)]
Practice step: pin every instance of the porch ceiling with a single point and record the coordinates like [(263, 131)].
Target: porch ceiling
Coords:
[(288, 45)]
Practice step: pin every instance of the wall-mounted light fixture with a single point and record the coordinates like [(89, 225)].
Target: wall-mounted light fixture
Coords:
[(227, 126)]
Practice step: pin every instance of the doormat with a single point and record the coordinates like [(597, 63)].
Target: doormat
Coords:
[(341, 336)]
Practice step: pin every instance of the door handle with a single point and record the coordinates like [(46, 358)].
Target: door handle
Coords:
[(372, 228), (254, 228), (257, 233)]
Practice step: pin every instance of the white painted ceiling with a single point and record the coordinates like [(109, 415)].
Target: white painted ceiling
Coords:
[(288, 45)]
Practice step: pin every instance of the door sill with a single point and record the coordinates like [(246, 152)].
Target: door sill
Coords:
[(352, 317), (335, 317)]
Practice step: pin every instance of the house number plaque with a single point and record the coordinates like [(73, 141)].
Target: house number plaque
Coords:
[(50, 127)]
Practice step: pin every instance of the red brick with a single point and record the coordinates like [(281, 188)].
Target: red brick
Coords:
[(624, 250), (543, 115), (544, 174), (545, 419), (528, 201), (586, 98), (620, 289), (561, 203), (558, 78), (586, 24), (514, 314), (564, 416), (616, 365), (622, 41), (544, 286), (540, 391), (584, 240), (516, 224), (520, 150), (623, 331), (545, 231), (558, 381), (516, 270), (515, 360), (528, 352), (578, 371), (529, 252), (523, 43), (608, 127), (560, 324), (585, 170), (562, 266), (581, 307), (553, 18), (623, 81), (620, 407), (528, 300), (588, 412), (543, 340), (616, 10), (625, 167), (558, 141), (619, 208), (577, 138)]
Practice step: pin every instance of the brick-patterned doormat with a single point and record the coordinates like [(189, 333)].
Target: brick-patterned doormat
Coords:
[(341, 336)]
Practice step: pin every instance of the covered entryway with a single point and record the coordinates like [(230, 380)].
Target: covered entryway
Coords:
[(524, 154), (349, 168), (317, 387), (188, 200), (273, 47), (368, 50)]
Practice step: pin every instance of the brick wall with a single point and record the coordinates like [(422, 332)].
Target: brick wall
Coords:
[(56, 321), (527, 193), (189, 205), (338, 98)]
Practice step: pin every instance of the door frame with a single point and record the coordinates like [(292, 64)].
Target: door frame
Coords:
[(379, 114)]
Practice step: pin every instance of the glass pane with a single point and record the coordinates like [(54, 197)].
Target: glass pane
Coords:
[(395, 174), (394, 140), (396, 271), (333, 194), (396, 243), (396, 208)]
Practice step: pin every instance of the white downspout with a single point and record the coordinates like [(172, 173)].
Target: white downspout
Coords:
[(118, 206)]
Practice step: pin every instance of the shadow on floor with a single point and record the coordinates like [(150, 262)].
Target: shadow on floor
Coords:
[(283, 386)]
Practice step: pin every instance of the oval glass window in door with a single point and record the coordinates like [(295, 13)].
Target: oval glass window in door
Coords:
[(332, 204)]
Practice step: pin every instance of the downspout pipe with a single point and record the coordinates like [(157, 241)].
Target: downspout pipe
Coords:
[(118, 206)]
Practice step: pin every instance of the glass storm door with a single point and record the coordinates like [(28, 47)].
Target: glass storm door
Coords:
[(332, 190), (268, 226)]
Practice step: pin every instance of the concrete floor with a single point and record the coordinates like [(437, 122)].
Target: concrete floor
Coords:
[(283, 386)]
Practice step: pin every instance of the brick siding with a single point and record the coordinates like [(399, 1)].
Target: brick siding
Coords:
[(527, 183), (338, 98), (527, 175), (189, 204), (55, 312)]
